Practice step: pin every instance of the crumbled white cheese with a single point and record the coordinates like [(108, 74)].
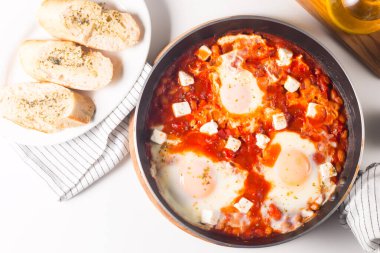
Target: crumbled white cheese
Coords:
[(173, 141), (158, 136), (262, 140), (233, 144), (327, 170), (204, 53), (185, 79), (311, 110), (250, 126), (209, 128), (153, 170), (284, 57), (279, 121), (306, 213), (244, 205), (158, 127), (329, 190), (181, 109), (271, 76), (291, 84), (268, 112), (234, 124), (210, 217), (319, 200)]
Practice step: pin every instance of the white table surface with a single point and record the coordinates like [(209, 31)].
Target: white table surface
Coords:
[(115, 215)]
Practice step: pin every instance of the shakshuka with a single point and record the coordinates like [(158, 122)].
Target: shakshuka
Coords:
[(248, 135)]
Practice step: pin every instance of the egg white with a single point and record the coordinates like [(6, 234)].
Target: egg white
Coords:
[(169, 168), (238, 91), (291, 199)]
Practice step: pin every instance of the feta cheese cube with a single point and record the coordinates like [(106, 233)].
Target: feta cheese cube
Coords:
[(185, 79), (311, 110), (291, 84), (233, 144), (158, 136), (262, 140), (210, 217), (284, 57), (204, 53), (279, 121), (326, 171), (209, 128), (244, 205), (181, 109)]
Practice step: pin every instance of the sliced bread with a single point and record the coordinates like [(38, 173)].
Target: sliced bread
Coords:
[(65, 63), (89, 24), (46, 107)]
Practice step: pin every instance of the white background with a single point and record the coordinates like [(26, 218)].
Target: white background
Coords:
[(115, 215)]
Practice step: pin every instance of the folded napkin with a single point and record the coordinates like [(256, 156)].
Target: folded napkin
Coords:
[(71, 167), (361, 210)]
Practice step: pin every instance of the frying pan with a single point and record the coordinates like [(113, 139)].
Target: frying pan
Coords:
[(141, 133)]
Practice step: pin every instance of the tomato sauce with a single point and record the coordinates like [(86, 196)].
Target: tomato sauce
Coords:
[(205, 106)]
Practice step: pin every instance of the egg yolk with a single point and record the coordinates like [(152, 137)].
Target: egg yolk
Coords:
[(198, 181), (293, 167)]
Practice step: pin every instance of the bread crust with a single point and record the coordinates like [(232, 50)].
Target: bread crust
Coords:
[(19, 102), (82, 112), (87, 23), (65, 63)]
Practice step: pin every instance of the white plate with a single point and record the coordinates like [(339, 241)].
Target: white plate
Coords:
[(131, 62)]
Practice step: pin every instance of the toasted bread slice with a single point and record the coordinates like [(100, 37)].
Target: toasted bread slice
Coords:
[(87, 23), (46, 107), (66, 63)]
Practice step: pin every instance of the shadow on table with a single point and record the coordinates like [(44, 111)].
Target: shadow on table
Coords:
[(159, 15), (372, 128), (330, 232)]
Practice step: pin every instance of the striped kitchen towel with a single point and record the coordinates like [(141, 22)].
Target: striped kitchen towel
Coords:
[(361, 210), (71, 167)]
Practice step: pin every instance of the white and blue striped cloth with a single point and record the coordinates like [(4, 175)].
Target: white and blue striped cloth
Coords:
[(71, 167), (361, 210)]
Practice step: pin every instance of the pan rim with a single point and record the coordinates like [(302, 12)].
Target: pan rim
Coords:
[(170, 213)]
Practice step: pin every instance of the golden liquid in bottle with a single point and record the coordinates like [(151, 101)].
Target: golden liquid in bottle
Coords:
[(365, 9), (358, 17)]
